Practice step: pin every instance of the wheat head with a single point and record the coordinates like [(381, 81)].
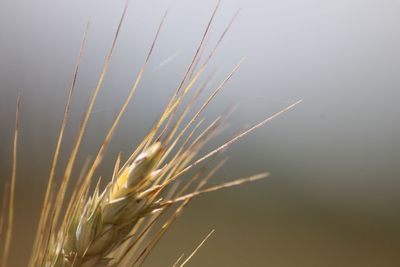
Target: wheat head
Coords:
[(119, 225)]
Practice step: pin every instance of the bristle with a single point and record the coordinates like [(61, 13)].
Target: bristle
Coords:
[(46, 209), (197, 248), (176, 98), (178, 260), (237, 137), (219, 187), (3, 210), (10, 223), (70, 165)]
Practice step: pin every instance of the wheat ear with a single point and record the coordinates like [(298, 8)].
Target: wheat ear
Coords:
[(101, 224), (120, 225)]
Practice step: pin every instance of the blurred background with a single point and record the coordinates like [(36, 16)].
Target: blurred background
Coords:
[(332, 199)]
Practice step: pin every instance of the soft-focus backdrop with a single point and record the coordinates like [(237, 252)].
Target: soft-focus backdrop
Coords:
[(333, 197)]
